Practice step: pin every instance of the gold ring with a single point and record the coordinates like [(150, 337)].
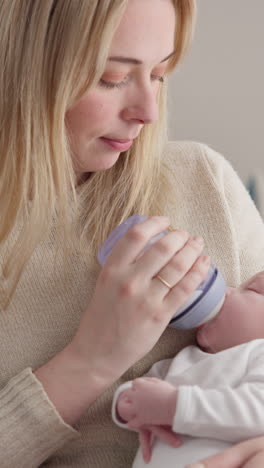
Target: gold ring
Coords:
[(164, 281)]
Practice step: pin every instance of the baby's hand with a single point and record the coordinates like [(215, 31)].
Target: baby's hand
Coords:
[(149, 401), (148, 435)]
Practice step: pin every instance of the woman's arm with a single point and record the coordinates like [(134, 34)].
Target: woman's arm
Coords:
[(128, 312), (72, 384), (31, 429)]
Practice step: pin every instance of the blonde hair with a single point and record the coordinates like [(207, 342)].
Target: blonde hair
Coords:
[(47, 48)]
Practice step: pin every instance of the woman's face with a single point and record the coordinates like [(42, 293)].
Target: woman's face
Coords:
[(108, 118)]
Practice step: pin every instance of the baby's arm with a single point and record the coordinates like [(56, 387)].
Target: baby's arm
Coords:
[(149, 406), (149, 401)]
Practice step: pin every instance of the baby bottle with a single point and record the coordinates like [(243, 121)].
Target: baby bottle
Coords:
[(201, 306)]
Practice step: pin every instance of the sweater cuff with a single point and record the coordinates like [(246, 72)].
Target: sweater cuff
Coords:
[(30, 426)]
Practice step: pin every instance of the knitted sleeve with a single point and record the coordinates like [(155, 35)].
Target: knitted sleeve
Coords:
[(245, 222), (30, 427)]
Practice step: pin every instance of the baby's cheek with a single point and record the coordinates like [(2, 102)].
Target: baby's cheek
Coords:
[(204, 339), (215, 336), (206, 336)]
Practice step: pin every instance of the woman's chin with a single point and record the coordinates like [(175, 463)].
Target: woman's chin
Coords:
[(100, 165), (106, 161)]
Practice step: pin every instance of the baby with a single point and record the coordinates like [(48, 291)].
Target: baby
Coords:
[(211, 395)]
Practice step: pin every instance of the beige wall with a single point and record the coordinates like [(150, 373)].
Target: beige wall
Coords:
[(217, 95)]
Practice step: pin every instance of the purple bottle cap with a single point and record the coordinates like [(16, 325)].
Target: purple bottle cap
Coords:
[(116, 234)]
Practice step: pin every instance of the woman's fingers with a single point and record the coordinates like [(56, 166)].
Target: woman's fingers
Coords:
[(234, 457), (172, 256), (256, 461), (182, 261), (135, 240), (185, 287), (161, 252)]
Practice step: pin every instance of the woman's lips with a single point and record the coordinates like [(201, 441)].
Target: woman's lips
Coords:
[(120, 145)]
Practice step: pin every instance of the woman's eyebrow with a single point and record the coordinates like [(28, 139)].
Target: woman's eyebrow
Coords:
[(135, 61)]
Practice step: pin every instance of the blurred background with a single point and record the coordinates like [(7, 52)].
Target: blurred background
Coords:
[(216, 95)]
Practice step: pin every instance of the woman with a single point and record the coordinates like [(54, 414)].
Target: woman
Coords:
[(247, 454), (83, 146)]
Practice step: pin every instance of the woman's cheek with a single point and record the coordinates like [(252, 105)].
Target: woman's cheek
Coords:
[(89, 113)]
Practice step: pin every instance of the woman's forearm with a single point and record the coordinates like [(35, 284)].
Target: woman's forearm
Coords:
[(71, 385)]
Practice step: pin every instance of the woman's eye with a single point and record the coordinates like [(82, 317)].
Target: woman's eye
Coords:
[(111, 85), (120, 84)]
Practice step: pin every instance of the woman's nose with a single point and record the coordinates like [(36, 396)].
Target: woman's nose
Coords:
[(142, 106)]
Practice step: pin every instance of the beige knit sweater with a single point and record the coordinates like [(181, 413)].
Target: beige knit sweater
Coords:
[(209, 200)]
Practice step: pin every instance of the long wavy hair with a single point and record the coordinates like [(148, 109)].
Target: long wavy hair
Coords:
[(51, 53)]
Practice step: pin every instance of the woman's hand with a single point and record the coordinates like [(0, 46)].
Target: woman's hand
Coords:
[(247, 454), (131, 307)]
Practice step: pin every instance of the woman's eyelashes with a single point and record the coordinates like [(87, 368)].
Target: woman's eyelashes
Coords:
[(111, 85)]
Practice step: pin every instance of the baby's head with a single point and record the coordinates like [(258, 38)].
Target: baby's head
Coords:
[(241, 318)]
